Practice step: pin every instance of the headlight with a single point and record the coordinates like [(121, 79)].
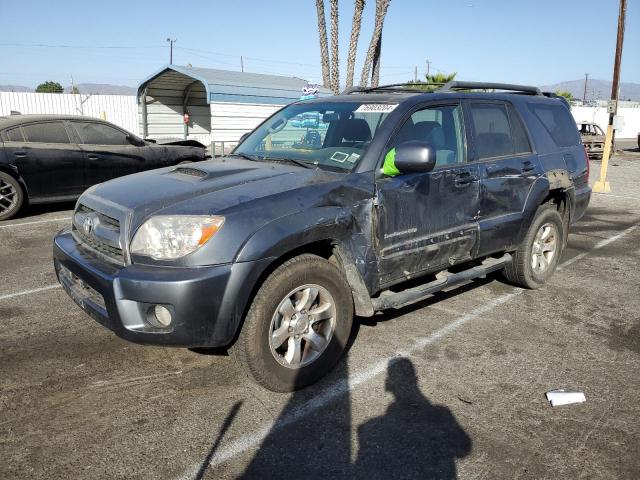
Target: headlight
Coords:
[(174, 236)]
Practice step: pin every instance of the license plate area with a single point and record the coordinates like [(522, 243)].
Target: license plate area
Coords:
[(81, 293)]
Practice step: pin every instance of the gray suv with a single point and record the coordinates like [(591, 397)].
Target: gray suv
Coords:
[(366, 201)]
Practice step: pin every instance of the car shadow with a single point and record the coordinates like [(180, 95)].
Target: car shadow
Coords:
[(28, 211)]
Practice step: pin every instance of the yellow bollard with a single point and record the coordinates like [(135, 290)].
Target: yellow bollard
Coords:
[(103, 115), (602, 186)]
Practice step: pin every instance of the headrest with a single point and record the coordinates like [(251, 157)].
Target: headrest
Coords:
[(355, 130), (430, 132)]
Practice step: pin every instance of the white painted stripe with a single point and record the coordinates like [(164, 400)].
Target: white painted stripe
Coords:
[(246, 442), (616, 196), (599, 245), (35, 222), (27, 292)]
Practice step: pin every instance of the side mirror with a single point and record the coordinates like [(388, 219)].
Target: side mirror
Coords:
[(415, 156), (133, 140)]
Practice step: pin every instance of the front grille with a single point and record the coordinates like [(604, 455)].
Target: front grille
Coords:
[(102, 236)]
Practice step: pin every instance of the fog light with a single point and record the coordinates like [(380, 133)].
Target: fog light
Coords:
[(162, 316)]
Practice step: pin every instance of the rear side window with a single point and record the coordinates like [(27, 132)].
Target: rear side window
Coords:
[(100, 134), (557, 120), (47, 132), (498, 130), (14, 135)]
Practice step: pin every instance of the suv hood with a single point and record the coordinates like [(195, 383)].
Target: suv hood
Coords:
[(226, 183)]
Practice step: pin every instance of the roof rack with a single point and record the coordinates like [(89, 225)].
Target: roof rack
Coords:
[(458, 85), (394, 87)]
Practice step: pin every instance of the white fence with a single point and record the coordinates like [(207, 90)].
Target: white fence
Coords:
[(119, 109), (600, 116), (123, 110)]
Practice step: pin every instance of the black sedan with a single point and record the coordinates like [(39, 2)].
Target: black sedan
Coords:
[(47, 158)]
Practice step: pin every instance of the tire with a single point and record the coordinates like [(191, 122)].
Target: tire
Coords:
[(521, 271), (278, 368), (11, 196)]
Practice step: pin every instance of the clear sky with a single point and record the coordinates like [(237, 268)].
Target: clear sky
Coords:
[(532, 42)]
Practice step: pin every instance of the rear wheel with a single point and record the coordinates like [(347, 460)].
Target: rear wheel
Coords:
[(11, 196), (537, 257), (298, 324)]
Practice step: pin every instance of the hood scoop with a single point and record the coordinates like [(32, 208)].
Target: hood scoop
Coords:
[(192, 172)]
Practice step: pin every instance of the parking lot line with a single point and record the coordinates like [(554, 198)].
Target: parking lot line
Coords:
[(35, 222), (627, 197), (597, 246), (332, 392), (27, 292)]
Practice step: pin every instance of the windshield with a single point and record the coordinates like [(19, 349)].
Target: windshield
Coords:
[(332, 135)]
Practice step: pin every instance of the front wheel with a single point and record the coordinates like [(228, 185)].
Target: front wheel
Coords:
[(537, 257), (298, 324)]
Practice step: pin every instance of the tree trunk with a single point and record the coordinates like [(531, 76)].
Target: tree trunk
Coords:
[(381, 12), (324, 47), (375, 74), (353, 41), (335, 57)]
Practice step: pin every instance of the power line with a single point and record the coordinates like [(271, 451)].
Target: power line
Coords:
[(86, 47)]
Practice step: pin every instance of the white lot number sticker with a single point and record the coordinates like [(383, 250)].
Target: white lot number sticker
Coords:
[(376, 108)]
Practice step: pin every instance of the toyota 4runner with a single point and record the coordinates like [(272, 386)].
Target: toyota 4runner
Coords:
[(371, 200)]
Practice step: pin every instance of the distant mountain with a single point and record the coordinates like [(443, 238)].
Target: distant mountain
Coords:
[(15, 88), (103, 89), (93, 88), (596, 89)]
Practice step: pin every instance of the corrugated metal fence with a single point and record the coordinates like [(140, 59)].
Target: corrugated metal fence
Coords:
[(119, 109), (228, 121)]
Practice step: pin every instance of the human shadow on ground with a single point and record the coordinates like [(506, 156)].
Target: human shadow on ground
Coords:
[(413, 439)]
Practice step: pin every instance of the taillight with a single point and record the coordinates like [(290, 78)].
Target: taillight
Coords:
[(586, 157)]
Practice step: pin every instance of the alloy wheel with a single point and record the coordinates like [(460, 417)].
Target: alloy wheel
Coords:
[(302, 326)]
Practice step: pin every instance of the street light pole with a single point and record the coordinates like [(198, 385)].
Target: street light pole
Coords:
[(602, 186)]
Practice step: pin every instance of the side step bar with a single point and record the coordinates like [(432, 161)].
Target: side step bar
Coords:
[(388, 299)]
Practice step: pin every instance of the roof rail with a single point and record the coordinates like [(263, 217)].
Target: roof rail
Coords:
[(397, 87), (458, 85)]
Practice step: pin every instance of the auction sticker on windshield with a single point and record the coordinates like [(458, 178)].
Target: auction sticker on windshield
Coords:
[(376, 108)]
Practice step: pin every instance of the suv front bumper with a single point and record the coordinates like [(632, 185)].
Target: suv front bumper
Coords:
[(206, 303)]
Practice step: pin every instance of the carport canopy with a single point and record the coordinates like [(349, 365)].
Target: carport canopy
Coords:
[(178, 89)]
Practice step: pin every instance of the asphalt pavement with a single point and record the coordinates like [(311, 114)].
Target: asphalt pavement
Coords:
[(452, 387)]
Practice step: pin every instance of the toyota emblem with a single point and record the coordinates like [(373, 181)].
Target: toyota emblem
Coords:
[(87, 225)]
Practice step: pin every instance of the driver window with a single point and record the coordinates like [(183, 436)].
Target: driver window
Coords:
[(440, 127)]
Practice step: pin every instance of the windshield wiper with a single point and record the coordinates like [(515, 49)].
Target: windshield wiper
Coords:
[(300, 163), (246, 156)]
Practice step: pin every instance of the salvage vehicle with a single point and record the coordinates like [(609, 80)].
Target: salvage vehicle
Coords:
[(54, 158), (592, 138), (271, 250)]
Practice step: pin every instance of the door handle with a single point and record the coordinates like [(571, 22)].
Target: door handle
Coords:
[(528, 167), (93, 156), (464, 178)]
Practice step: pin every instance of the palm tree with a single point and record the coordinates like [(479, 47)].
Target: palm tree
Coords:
[(381, 12), (375, 73), (335, 57), (324, 48), (353, 41), (434, 81)]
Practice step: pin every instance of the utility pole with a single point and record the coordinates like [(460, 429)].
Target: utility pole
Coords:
[(241, 64), (171, 42), (415, 74), (584, 95), (428, 66), (602, 186)]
